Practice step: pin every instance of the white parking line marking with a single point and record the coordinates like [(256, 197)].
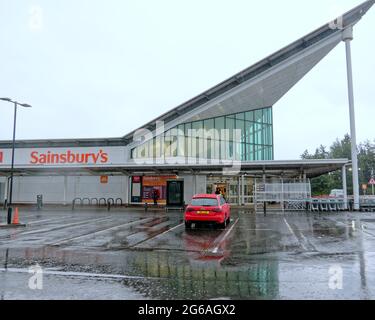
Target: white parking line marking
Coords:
[(295, 236), (77, 274), (102, 231), (156, 236), (47, 220), (63, 226), (221, 239)]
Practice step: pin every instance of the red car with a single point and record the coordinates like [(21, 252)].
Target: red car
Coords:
[(208, 208)]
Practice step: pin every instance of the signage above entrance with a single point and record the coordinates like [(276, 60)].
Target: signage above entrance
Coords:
[(64, 157)]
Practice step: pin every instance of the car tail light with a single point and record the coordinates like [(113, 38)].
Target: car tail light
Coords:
[(217, 210), (189, 210)]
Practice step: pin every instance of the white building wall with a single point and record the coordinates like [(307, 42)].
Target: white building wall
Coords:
[(26, 189), (193, 185)]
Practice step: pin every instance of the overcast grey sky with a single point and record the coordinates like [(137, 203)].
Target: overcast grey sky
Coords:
[(95, 68)]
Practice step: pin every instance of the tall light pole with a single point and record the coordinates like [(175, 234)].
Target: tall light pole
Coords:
[(10, 200), (347, 36)]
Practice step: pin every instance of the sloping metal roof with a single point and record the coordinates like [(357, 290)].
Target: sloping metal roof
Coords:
[(308, 41)]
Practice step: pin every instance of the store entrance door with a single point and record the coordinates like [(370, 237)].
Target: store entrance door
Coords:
[(175, 193)]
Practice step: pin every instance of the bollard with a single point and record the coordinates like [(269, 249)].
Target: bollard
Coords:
[(109, 206), (146, 207), (9, 218), (39, 201), (16, 219)]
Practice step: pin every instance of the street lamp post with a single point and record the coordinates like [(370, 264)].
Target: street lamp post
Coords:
[(10, 200)]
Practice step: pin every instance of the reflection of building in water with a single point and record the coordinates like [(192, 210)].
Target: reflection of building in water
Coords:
[(183, 280)]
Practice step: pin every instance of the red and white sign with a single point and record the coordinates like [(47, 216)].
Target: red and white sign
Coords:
[(372, 182), (58, 157)]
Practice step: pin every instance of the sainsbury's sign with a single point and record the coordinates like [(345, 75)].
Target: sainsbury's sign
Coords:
[(64, 156), (69, 157)]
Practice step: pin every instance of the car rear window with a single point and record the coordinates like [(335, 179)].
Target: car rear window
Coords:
[(207, 202)]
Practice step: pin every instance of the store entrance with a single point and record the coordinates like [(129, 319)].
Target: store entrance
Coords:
[(175, 193)]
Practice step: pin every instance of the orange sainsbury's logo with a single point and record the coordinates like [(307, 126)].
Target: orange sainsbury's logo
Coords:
[(69, 157), (1, 157)]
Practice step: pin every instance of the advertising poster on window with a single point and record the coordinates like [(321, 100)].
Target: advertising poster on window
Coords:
[(155, 187)]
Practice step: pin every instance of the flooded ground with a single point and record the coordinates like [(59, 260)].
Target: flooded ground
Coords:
[(132, 254)]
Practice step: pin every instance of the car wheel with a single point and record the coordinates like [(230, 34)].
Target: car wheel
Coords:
[(223, 225), (187, 225)]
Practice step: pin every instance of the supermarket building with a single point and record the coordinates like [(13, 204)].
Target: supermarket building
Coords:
[(222, 138)]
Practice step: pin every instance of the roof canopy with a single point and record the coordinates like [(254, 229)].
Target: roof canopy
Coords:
[(288, 169)]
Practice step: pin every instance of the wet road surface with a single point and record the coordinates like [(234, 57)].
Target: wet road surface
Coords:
[(132, 254)]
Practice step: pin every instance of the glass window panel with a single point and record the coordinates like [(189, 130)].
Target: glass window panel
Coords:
[(187, 128), (188, 146), (243, 151), (230, 125), (250, 128), (249, 116), (209, 124), (265, 115), (174, 147), (220, 123), (181, 130), (250, 152), (240, 116), (158, 143), (209, 149), (258, 116), (240, 125), (198, 127)]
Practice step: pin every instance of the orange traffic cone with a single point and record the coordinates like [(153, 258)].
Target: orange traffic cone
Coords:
[(15, 217)]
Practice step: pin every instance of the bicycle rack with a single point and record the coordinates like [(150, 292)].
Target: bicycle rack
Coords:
[(119, 200), (87, 200), (74, 202)]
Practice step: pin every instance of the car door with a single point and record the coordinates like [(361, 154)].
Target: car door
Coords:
[(224, 205)]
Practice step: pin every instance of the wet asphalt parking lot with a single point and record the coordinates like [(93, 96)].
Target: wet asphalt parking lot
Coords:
[(132, 254)]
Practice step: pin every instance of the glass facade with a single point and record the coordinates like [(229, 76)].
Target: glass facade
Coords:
[(245, 136)]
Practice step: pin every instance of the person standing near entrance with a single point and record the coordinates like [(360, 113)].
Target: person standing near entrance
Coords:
[(155, 196), (217, 191)]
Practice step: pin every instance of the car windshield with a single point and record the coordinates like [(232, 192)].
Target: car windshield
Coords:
[(207, 202)]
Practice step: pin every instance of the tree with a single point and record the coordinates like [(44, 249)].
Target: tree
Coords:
[(341, 149)]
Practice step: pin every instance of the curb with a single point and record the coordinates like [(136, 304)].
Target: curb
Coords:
[(10, 226)]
